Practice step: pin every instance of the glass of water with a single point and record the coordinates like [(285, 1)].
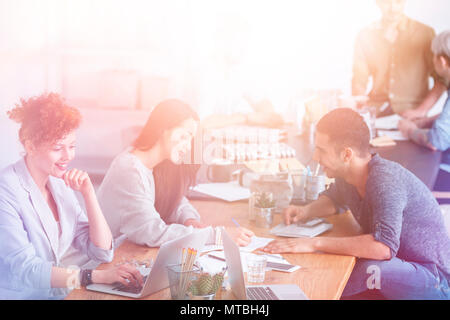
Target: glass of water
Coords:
[(256, 268)]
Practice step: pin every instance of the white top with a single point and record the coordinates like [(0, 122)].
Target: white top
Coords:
[(127, 199), (30, 242)]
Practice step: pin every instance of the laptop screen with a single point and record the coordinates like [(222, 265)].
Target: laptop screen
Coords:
[(235, 272)]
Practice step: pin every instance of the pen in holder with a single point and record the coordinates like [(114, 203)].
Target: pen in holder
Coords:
[(314, 186)]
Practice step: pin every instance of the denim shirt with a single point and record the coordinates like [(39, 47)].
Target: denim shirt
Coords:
[(439, 134)]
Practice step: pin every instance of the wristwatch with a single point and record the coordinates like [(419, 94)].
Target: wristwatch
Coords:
[(86, 277)]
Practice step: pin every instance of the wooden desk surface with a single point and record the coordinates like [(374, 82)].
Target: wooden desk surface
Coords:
[(322, 276)]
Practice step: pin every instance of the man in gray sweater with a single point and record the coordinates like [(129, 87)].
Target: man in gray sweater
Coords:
[(404, 249)]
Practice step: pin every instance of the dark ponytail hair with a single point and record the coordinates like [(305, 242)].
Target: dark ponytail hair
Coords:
[(172, 181)]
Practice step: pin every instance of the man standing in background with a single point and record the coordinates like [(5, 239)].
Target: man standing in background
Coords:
[(395, 53)]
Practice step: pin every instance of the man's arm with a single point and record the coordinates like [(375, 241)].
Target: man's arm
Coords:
[(363, 246), (429, 101), (420, 136), (411, 131), (426, 122)]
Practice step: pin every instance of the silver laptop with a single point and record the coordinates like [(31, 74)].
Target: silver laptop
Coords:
[(257, 292), (155, 278)]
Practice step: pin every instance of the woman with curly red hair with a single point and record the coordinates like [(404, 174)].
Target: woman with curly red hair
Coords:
[(40, 217)]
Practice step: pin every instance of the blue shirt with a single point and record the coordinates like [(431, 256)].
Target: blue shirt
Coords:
[(398, 210), (439, 134)]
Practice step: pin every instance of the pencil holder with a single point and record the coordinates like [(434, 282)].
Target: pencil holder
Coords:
[(314, 186), (180, 280), (299, 185)]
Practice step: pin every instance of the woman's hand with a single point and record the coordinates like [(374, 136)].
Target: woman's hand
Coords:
[(241, 236), (290, 246), (79, 181), (126, 274)]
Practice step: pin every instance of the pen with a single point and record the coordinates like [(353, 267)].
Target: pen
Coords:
[(317, 169), (235, 222), (214, 257)]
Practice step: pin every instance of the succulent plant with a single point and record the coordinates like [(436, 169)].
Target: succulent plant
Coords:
[(206, 284)]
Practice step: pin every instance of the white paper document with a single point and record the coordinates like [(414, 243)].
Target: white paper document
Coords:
[(230, 191), (256, 243), (215, 262), (297, 231), (388, 123), (394, 135)]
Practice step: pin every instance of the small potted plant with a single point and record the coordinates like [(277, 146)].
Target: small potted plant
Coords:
[(264, 207)]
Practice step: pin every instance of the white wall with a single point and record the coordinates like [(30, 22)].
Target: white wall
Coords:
[(86, 49)]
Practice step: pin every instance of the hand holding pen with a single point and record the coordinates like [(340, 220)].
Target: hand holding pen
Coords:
[(242, 236)]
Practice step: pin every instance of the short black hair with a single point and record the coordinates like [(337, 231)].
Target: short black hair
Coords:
[(346, 128)]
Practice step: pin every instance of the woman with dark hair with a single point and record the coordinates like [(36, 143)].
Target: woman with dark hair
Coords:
[(40, 217), (143, 191)]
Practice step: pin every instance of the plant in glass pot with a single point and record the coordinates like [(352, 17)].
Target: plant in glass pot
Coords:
[(263, 210)]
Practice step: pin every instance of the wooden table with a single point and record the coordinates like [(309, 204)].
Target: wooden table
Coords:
[(322, 276), (421, 161)]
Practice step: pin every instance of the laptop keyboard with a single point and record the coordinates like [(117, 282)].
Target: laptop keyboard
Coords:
[(261, 293), (129, 288)]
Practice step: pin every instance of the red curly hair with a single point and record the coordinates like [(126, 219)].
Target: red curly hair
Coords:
[(44, 119)]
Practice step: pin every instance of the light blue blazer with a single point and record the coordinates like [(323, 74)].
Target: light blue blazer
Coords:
[(30, 240)]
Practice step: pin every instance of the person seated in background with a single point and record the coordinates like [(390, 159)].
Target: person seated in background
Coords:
[(403, 232), (40, 217), (395, 53), (143, 192), (434, 132)]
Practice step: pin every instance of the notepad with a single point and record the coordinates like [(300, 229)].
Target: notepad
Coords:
[(230, 191), (298, 231)]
